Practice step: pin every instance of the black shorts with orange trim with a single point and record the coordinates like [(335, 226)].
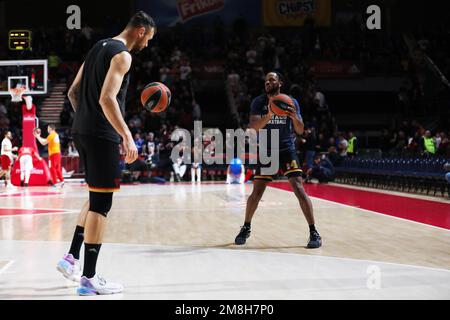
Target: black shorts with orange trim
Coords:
[(289, 165), (101, 159)]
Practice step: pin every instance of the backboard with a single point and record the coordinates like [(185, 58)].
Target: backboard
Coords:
[(30, 73)]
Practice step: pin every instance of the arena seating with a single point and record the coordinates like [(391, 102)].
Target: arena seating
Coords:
[(407, 173)]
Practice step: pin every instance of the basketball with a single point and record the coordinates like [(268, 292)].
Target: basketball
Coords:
[(280, 103), (155, 97)]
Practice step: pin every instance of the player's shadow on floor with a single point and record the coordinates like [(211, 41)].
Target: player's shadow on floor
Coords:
[(234, 246), (176, 250)]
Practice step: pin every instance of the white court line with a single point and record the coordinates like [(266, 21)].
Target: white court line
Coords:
[(370, 211), (243, 250), (238, 206), (70, 211), (9, 264), (66, 211)]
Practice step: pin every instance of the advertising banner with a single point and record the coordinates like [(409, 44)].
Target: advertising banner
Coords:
[(335, 69), (167, 13), (285, 13), (188, 9), (209, 70)]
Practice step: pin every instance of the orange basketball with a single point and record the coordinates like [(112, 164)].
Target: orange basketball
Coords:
[(280, 103), (155, 97)]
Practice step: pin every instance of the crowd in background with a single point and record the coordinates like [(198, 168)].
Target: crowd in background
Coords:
[(248, 55), (412, 138)]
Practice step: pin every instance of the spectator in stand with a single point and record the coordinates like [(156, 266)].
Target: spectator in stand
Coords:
[(251, 56), (309, 146), (87, 34), (164, 72), (352, 148), (437, 140), (179, 167), (321, 143), (428, 145), (400, 142), (444, 146), (322, 170), (150, 142), (176, 55), (164, 151), (319, 101), (333, 155), (185, 70), (135, 121), (3, 111), (447, 170), (139, 142), (331, 142), (342, 146), (53, 63), (152, 157)]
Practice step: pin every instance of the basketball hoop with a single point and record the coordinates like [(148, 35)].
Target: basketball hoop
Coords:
[(16, 93)]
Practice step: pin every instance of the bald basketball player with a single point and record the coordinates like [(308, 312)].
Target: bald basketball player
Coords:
[(261, 117), (97, 96)]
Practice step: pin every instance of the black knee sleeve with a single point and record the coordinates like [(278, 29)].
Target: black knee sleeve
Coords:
[(100, 202)]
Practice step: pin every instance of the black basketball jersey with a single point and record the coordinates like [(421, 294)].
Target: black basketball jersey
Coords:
[(89, 117), (284, 125)]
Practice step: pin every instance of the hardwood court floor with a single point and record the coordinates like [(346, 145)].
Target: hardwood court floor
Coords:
[(176, 241)]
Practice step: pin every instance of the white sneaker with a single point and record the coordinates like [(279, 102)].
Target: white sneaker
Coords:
[(69, 267), (97, 285), (10, 186)]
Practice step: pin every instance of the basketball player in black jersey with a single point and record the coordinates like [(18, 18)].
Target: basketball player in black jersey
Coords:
[(97, 96)]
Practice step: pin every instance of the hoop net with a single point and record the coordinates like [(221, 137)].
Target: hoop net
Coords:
[(16, 93)]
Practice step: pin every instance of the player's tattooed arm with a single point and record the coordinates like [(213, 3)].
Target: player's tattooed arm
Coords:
[(74, 88)]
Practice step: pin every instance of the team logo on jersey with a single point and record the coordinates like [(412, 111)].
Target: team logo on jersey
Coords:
[(292, 165), (278, 120)]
